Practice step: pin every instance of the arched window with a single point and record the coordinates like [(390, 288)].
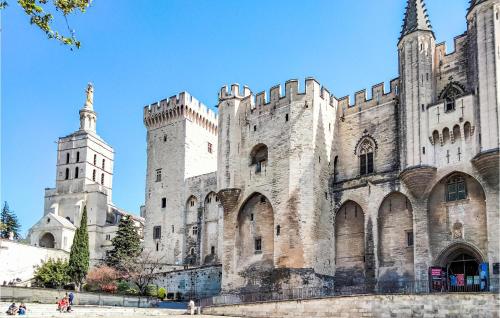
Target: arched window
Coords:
[(456, 188), (66, 176), (446, 135), (365, 153), (335, 168), (93, 175), (456, 133), (466, 130), (67, 157), (78, 156), (435, 137), (102, 178), (449, 94), (258, 157), (76, 172)]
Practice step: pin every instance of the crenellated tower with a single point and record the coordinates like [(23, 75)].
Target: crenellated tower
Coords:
[(483, 24), (181, 144), (416, 66)]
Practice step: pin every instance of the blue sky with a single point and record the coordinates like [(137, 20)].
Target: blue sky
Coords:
[(138, 52)]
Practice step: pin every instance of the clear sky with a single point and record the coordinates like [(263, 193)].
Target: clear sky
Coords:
[(138, 52)]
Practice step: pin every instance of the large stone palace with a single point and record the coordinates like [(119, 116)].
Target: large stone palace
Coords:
[(300, 187)]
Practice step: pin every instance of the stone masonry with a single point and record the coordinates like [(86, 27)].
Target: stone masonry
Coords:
[(297, 187)]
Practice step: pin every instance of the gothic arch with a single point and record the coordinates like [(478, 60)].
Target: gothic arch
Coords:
[(456, 248), (457, 213), (395, 238), (366, 139), (349, 244), (452, 90), (255, 233)]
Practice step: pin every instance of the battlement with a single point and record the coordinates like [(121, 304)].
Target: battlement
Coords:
[(378, 97), (179, 106), (261, 101), (459, 43), (234, 92)]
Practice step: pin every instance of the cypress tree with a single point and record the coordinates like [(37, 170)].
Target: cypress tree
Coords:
[(9, 223), (79, 256), (126, 243)]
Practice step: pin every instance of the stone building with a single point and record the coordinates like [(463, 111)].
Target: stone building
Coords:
[(84, 177), (316, 189)]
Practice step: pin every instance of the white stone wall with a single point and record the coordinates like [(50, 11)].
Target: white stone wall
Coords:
[(19, 260)]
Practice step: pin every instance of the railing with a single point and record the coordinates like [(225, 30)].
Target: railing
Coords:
[(379, 288)]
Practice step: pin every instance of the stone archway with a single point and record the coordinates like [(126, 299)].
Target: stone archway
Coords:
[(350, 245), (395, 239), (255, 234), (457, 214), (210, 228), (47, 240), (461, 263)]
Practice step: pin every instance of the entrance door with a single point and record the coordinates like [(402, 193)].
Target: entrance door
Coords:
[(463, 273)]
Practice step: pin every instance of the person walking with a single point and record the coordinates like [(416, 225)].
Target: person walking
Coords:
[(192, 307)]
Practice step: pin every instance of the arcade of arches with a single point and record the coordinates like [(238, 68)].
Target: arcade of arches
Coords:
[(457, 231)]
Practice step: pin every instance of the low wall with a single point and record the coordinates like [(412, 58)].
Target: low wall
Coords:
[(18, 260), (50, 296), (197, 282), (428, 305)]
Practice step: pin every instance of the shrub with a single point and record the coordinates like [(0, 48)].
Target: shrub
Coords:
[(123, 287), (152, 290), (52, 273), (162, 293), (102, 278)]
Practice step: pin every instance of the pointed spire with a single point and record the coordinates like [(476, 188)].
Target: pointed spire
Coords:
[(473, 3), (416, 18)]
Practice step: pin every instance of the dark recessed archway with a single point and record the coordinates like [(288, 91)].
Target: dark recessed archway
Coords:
[(47, 240)]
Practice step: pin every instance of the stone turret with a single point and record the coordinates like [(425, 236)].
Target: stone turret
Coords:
[(416, 64)]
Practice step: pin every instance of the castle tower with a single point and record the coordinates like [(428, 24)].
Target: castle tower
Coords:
[(416, 65), (229, 123), (181, 143), (484, 67)]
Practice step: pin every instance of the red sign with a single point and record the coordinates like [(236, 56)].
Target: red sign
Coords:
[(436, 271), (460, 279)]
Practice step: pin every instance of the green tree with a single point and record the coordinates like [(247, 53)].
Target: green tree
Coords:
[(53, 273), (9, 222), (126, 243), (79, 255), (40, 13)]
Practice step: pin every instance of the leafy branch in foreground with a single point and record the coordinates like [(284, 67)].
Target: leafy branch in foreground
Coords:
[(39, 16)]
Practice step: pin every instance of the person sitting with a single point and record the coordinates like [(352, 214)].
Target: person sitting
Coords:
[(12, 310), (62, 305), (22, 309)]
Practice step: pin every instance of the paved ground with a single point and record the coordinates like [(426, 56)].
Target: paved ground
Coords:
[(49, 310)]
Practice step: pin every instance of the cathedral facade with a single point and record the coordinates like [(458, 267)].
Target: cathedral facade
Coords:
[(300, 187), (84, 178)]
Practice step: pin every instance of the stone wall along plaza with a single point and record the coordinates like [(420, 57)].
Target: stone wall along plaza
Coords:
[(432, 305)]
